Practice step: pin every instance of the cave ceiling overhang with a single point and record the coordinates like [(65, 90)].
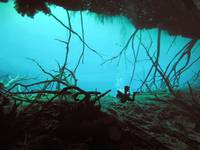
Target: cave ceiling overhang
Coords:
[(178, 17)]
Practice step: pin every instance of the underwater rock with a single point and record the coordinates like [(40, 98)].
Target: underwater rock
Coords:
[(4, 1), (115, 133), (85, 128), (178, 17)]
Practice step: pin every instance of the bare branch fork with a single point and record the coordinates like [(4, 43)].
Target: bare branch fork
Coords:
[(123, 50), (75, 33), (160, 71)]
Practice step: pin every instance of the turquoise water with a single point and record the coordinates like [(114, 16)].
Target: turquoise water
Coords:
[(24, 37)]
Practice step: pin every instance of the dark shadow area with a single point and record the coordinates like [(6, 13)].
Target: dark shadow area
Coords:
[(62, 125)]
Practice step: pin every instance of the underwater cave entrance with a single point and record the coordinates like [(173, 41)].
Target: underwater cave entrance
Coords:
[(155, 65), (146, 60)]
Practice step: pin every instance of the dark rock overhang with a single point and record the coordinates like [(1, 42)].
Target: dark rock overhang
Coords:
[(178, 17)]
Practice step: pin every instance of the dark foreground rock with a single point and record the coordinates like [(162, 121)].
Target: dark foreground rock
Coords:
[(64, 126)]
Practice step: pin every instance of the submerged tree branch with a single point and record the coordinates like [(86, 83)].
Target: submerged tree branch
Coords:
[(75, 33), (123, 50)]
